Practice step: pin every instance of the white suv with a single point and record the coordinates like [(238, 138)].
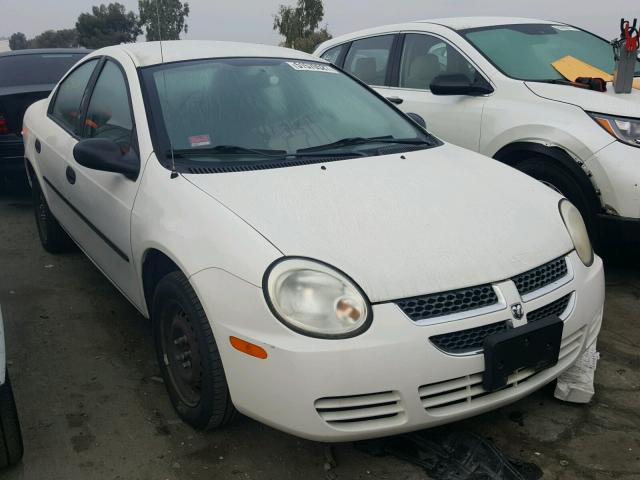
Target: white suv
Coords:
[(487, 84)]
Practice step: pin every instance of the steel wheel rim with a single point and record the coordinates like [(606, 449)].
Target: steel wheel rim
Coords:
[(42, 215), (181, 354)]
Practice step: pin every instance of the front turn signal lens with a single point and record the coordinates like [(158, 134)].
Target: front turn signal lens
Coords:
[(248, 348)]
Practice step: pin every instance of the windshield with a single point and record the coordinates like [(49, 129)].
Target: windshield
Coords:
[(527, 51), (35, 69), (235, 110)]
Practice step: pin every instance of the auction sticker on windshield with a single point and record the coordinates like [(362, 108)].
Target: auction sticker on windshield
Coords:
[(200, 140), (311, 67)]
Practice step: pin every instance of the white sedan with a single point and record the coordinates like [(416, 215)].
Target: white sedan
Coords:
[(308, 255)]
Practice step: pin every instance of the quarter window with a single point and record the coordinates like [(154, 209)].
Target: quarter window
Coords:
[(67, 104), (109, 112), (424, 57), (368, 59), (333, 54)]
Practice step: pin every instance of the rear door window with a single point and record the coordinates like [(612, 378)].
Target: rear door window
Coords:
[(368, 59), (68, 99), (35, 69)]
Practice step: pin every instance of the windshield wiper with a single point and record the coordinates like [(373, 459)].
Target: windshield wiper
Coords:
[(227, 150), (351, 141)]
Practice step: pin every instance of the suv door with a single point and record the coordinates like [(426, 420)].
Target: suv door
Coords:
[(454, 118)]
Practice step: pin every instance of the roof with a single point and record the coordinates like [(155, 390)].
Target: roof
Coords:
[(461, 23), (148, 53), (40, 51)]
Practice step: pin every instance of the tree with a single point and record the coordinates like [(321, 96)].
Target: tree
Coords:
[(299, 25), (107, 25), (163, 19), (18, 41), (67, 38)]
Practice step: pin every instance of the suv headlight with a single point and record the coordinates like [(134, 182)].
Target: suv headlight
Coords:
[(577, 231), (315, 299), (627, 130)]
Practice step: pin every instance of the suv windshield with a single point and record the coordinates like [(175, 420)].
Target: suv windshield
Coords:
[(258, 109), (526, 51)]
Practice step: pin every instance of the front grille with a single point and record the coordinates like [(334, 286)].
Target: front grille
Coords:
[(455, 396), (541, 276), (446, 303), (556, 308), (359, 412), (466, 341)]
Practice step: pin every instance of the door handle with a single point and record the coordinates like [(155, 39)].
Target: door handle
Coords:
[(38, 146), (396, 100), (71, 175)]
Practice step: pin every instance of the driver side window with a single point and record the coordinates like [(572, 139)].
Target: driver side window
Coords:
[(424, 57), (109, 112)]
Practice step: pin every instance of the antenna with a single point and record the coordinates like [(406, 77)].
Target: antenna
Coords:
[(174, 172)]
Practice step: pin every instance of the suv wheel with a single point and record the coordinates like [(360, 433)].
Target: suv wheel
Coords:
[(188, 355)]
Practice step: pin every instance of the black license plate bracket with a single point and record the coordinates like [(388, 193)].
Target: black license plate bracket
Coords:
[(534, 345)]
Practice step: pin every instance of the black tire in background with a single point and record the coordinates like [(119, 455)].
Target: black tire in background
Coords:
[(562, 181), (52, 236), (11, 447), (188, 355)]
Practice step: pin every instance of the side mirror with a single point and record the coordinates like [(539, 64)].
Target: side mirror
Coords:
[(418, 119), (458, 84), (105, 155)]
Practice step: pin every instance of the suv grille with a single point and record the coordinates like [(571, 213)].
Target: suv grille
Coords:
[(554, 308), (446, 303), (541, 276), (466, 341)]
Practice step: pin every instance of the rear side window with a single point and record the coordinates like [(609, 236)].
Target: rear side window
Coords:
[(368, 59), (35, 69), (333, 54), (66, 107), (109, 112)]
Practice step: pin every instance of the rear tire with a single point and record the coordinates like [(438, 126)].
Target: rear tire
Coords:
[(11, 448), (188, 355), (52, 236), (563, 182)]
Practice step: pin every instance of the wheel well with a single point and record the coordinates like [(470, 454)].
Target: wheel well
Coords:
[(517, 152), (155, 266)]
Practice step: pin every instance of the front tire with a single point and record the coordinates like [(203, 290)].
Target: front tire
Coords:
[(563, 182), (11, 448), (188, 355), (52, 236)]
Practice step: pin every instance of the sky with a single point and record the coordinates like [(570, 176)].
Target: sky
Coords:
[(252, 20)]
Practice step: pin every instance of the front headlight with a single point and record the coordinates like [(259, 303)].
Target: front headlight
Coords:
[(627, 130), (315, 299), (577, 231)]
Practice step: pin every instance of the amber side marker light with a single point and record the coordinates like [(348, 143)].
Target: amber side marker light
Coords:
[(248, 348)]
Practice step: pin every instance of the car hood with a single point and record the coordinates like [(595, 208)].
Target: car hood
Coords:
[(609, 102), (426, 221)]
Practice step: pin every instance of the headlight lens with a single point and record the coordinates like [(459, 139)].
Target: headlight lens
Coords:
[(315, 299), (577, 231), (627, 130)]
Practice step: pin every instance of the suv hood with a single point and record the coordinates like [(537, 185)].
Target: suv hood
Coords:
[(609, 102), (439, 219)]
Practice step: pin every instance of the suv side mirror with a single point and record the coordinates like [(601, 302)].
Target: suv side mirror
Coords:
[(458, 84), (106, 155)]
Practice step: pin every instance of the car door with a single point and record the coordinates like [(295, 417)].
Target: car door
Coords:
[(55, 141), (454, 118), (101, 202)]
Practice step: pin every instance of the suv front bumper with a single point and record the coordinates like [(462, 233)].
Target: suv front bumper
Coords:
[(388, 380)]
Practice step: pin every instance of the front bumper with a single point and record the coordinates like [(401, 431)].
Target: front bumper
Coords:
[(389, 380)]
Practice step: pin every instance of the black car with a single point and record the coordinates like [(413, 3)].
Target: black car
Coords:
[(25, 77)]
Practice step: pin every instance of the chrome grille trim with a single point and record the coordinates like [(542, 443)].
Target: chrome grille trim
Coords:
[(548, 287)]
